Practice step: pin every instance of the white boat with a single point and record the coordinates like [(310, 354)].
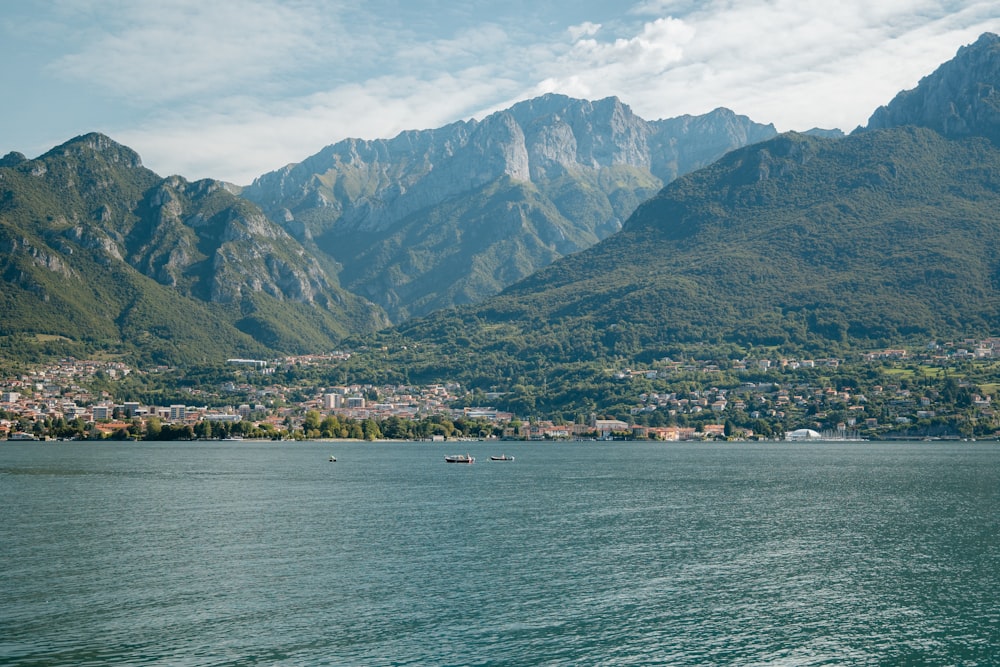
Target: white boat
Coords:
[(459, 458)]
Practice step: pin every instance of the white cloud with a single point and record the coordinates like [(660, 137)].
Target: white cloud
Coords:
[(657, 46), (249, 139), (233, 88), (158, 52), (663, 7), (797, 64), (585, 29), (601, 68)]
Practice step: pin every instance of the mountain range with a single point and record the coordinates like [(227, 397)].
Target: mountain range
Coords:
[(436, 218), (803, 242), (104, 253)]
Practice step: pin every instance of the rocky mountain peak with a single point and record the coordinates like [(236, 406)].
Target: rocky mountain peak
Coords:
[(562, 132), (96, 144), (959, 99)]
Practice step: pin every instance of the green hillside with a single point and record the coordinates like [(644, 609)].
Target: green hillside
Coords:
[(805, 245), (101, 254), (801, 242)]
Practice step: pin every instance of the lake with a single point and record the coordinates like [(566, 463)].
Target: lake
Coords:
[(581, 553)]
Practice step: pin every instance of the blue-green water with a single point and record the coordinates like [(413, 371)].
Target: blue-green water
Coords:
[(573, 554)]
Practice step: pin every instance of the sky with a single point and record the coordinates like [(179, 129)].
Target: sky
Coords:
[(233, 89)]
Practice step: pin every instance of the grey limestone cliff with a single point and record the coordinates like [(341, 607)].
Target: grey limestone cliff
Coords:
[(959, 99)]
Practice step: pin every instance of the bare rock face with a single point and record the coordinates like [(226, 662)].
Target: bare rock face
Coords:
[(371, 185), (960, 99), (200, 239)]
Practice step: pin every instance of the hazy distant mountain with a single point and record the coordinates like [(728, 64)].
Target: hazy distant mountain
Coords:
[(804, 243), (100, 250), (439, 217)]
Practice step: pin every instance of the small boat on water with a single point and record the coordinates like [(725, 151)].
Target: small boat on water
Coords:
[(333, 459), (459, 458), (502, 457)]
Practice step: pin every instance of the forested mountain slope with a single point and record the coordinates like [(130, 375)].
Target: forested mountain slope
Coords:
[(101, 253)]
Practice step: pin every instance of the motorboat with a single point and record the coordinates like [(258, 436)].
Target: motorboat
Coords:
[(502, 457), (459, 458)]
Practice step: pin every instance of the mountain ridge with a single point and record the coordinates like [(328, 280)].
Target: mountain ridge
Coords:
[(564, 173), (98, 241), (552, 146)]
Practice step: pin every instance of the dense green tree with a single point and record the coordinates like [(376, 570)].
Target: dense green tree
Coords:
[(371, 430)]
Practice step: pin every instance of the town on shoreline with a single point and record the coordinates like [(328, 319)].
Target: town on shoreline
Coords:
[(892, 393)]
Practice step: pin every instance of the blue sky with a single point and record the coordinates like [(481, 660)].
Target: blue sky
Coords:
[(231, 89)]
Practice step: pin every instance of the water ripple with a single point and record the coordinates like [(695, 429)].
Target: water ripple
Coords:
[(263, 554)]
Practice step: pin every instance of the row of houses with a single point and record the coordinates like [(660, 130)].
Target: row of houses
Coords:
[(611, 429)]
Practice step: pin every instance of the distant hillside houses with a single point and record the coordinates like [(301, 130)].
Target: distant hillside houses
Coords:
[(712, 399)]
